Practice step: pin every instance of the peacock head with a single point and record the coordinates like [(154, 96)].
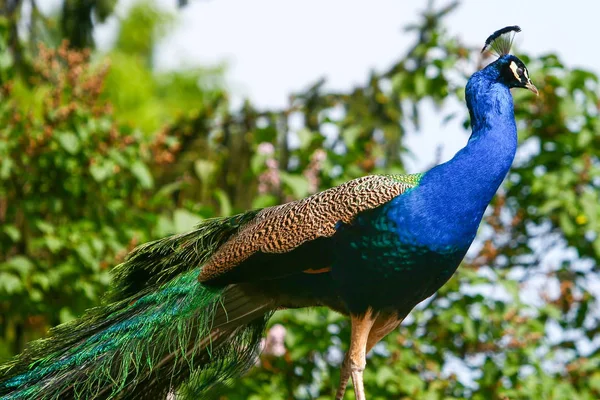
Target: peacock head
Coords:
[(508, 68), (513, 73)]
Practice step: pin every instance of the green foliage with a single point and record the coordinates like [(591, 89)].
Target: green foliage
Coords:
[(76, 19), (142, 97), (80, 184), (140, 29), (69, 176)]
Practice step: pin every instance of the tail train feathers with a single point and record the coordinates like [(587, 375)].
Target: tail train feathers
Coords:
[(158, 262), (146, 341)]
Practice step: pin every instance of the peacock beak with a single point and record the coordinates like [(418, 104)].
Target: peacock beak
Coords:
[(532, 87)]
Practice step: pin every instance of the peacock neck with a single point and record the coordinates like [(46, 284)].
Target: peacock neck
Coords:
[(449, 202), (479, 168)]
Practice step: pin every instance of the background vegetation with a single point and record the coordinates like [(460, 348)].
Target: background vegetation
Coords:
[(100, 152)]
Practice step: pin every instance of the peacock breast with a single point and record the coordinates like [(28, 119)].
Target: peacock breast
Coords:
[(384, 263)]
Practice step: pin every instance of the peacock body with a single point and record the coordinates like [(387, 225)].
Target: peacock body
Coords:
[(191, 308)]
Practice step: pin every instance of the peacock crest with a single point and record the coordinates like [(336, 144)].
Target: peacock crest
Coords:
[(500, 42)]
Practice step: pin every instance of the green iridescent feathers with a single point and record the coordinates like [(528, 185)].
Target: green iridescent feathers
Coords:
[(409, 179), (153, 335), (155, 263)]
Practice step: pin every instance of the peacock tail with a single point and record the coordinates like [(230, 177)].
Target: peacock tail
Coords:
[(156, 326)]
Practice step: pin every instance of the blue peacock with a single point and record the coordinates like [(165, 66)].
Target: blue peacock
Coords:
[(189, 310)]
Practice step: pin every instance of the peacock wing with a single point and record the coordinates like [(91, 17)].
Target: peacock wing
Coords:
[(300, 224)]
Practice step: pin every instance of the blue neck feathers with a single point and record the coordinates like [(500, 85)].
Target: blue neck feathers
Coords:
[(444, 211)]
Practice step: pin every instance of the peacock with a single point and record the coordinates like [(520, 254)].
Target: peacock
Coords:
[(188, 311)]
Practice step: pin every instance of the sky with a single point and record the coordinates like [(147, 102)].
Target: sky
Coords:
[(276, 47)]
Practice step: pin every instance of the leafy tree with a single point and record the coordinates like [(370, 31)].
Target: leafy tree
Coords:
[(69, 176)]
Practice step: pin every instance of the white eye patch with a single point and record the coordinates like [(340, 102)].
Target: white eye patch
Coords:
[(514, 68)]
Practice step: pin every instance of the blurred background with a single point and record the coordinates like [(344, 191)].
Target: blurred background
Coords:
[(125, 121)]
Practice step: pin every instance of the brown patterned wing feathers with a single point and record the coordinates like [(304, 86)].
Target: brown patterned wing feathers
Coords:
[(283, 228)]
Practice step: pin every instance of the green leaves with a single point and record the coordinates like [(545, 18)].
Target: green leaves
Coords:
[(101, 171), (9, 284), (142, 173), (297, 184), (19, 264), (184, 220), (69, 141), (12, 232), (73, 190)]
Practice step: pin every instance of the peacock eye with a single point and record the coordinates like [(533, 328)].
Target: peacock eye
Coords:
[(520, 71)]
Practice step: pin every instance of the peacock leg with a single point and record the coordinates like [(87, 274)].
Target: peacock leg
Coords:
[(355, 360), (344, 378), (383, 325), (379, 329)]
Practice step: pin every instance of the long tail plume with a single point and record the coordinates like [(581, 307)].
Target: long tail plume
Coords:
[(157, 328)]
